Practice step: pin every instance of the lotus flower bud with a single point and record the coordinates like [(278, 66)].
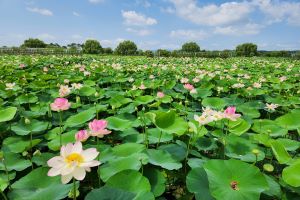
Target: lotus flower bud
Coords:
[(255, 151), (268, 167), (27, 121)]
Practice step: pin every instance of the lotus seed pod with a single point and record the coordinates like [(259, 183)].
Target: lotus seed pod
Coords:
[(268, 167), (96, 94)]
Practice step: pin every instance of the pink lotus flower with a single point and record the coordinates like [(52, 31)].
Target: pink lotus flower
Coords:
[(160, 94), (142, 86), (73, 162), (60, 104), (230, 114), (98, 128), (188, 86), (82, 135)]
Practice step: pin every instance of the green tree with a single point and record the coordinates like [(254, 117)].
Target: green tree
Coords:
[(190, 47), (92, 47), (246, 49), (126, 47), (163, 53), (149, 54), (34, 43), (107, 50)]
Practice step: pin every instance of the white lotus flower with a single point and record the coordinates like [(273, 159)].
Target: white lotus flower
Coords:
[(73, 162)]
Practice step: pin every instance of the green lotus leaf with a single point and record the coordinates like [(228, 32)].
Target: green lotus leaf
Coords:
[(234, 179), (37, 185), (7, 114)]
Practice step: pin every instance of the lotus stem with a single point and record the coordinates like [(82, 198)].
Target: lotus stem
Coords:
[(74, 189), (60, 128)]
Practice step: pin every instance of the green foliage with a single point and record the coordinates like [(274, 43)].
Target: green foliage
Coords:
[(34, 43), (246, 49), (92, 47), (126, 47), (190, 47)]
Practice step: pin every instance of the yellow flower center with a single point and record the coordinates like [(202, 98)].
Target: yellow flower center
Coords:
[(74, 158)]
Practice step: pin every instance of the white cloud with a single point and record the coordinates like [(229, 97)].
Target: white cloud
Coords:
[(96, 1), (212, 14), (41, 11), (140, 32), (278, 11), (133, 18), (111, 43), (168, 10), (247, 29), (189, 34), (76, 14), (46, 36)]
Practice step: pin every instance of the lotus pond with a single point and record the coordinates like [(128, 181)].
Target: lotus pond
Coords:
[(99, 127)]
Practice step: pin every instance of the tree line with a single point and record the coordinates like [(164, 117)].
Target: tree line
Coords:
[(127, 47)]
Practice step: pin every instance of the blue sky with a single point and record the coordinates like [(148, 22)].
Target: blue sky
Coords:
[(153, 24)]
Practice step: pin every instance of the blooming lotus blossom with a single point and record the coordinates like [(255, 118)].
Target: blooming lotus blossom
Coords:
[(184, 80), (188, 86), (230, 114), (151, 76), (22, 66), (193, 91), (10, 86), (283, 78), (60, 104), (203, 119), (73, 162), (160, 94), (76, 86), (271, 107), (66, 81), (64, 90), (142, 87), (86, 73), (196, 80), (98, 128), (82, 135), (82, 68), (45, 69), (131, 79), (257, 85), (238, 85)]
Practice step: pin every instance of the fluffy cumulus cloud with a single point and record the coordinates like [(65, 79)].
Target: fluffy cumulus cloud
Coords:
[(189, 34), (46, 36), (280, 11), (233, 12), (111, 43), (41, 11), (140, 32), (212, 14), (132, 18), (238, 30)]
